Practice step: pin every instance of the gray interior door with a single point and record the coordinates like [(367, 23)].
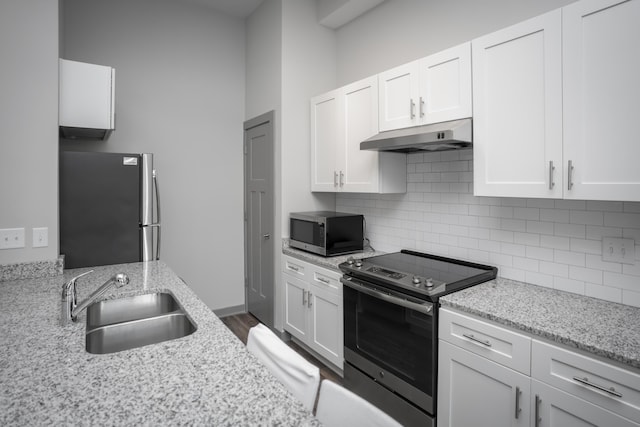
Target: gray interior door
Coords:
[(259, 217)]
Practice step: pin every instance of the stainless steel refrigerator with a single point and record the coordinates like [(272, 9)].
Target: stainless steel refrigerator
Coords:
[(109, 208)]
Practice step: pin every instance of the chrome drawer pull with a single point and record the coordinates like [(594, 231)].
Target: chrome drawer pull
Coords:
[(478, 340), (612, 391), (325, 281), (291, 267)]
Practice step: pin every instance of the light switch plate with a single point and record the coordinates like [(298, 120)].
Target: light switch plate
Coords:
[(619, 250), (11, 238), (40, 237)]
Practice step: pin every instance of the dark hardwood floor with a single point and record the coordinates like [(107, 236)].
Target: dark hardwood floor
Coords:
[(240, 325)]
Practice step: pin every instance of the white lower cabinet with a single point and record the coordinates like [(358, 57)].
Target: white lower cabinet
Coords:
[(313, 308), (474, 391), (479, 383), (555, 408)]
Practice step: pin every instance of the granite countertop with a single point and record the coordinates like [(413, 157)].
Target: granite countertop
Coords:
[(600, 327), (331, 262), (206, 378)]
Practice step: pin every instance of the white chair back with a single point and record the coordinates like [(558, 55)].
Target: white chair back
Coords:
[(294, 371), (339, 407)]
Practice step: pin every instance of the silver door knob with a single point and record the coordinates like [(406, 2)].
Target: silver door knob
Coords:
[(266, 236)]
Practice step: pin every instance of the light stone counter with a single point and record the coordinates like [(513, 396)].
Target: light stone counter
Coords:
[(331, 262), (600, 327), (207, 378)]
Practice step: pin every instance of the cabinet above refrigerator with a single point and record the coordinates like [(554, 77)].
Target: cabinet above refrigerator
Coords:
[(86, 100)]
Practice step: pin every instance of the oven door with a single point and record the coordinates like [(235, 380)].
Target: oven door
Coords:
[(391, 337)]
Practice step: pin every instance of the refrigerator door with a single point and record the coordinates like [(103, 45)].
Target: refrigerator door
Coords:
[(100, 203)]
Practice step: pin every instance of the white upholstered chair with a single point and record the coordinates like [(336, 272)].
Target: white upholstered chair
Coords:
[(294, 371), (339, 407)]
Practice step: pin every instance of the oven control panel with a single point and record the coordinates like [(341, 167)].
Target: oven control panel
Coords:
[(386, 273)]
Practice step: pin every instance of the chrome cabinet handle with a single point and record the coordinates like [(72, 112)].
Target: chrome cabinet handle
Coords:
[(551, 171), (266, 236), (612, 391), (335, 178), (294, 268), (304, 297), (309, 304), (537, 418), (570, 173), (412, 107), (421, 107), (478, 340), (341, 179), (518, 393), (325, 281)]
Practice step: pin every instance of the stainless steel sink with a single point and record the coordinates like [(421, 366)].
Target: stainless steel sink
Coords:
[(130, 308), (131, 322)]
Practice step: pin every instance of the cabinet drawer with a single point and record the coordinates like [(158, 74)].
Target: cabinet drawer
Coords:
[(326, 279), (501, 345), (608, 386), (294, 266)]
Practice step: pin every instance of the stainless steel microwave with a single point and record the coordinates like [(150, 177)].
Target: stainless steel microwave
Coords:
[(326, 233)]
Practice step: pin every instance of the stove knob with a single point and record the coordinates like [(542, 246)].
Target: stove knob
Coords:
[(350, 260), (416, 281), (429, 283), (358, 263)]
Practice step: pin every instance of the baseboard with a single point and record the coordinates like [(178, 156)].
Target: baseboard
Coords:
[(230, 311)]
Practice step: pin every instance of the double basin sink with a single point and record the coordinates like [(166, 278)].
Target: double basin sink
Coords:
[(131, 322)]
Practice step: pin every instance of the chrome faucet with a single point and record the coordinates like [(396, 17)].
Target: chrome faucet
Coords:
[(70, 309)]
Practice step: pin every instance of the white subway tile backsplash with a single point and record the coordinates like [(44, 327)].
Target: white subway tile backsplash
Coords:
[(546, 242), (569, 285), (631, 298), (603, 292), (586, 217), (627, 220)]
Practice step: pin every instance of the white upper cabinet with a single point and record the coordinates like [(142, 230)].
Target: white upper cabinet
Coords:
[(555, 104), (517, 104), (602, 99), (340, 121), (86, 100), (324, 141), (430, 90)]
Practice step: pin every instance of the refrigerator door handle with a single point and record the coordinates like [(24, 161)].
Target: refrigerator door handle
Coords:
[(157, 224)]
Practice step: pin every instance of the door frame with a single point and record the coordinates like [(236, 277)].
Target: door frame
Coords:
[(268, 117)]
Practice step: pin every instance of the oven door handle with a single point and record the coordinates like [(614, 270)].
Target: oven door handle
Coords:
[(425, 308)]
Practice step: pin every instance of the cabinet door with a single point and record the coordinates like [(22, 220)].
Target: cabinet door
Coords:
[(445, 85), (359, 111), (326, 319), (398, 90), (296, 318), (601, 93), (517, 107), (324, 141), (474, 391), (555, 408)]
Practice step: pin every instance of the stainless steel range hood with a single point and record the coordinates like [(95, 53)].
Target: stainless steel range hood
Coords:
[(443, 136)]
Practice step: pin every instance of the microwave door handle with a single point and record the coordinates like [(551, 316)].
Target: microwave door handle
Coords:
[(423, 308)]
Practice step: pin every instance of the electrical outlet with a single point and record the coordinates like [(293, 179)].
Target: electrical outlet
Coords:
[(619, 250), (11, 238), (40, 237)]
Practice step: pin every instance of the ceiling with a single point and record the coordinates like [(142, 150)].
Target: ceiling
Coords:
[(236, 8)]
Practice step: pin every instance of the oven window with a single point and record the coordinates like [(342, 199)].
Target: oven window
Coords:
[(395, 338)]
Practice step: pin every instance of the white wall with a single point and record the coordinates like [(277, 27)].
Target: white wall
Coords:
[(180, 79), (29, 130), (399, 31)]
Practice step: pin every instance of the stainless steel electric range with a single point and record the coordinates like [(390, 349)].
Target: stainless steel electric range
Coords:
[(391, 327)]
